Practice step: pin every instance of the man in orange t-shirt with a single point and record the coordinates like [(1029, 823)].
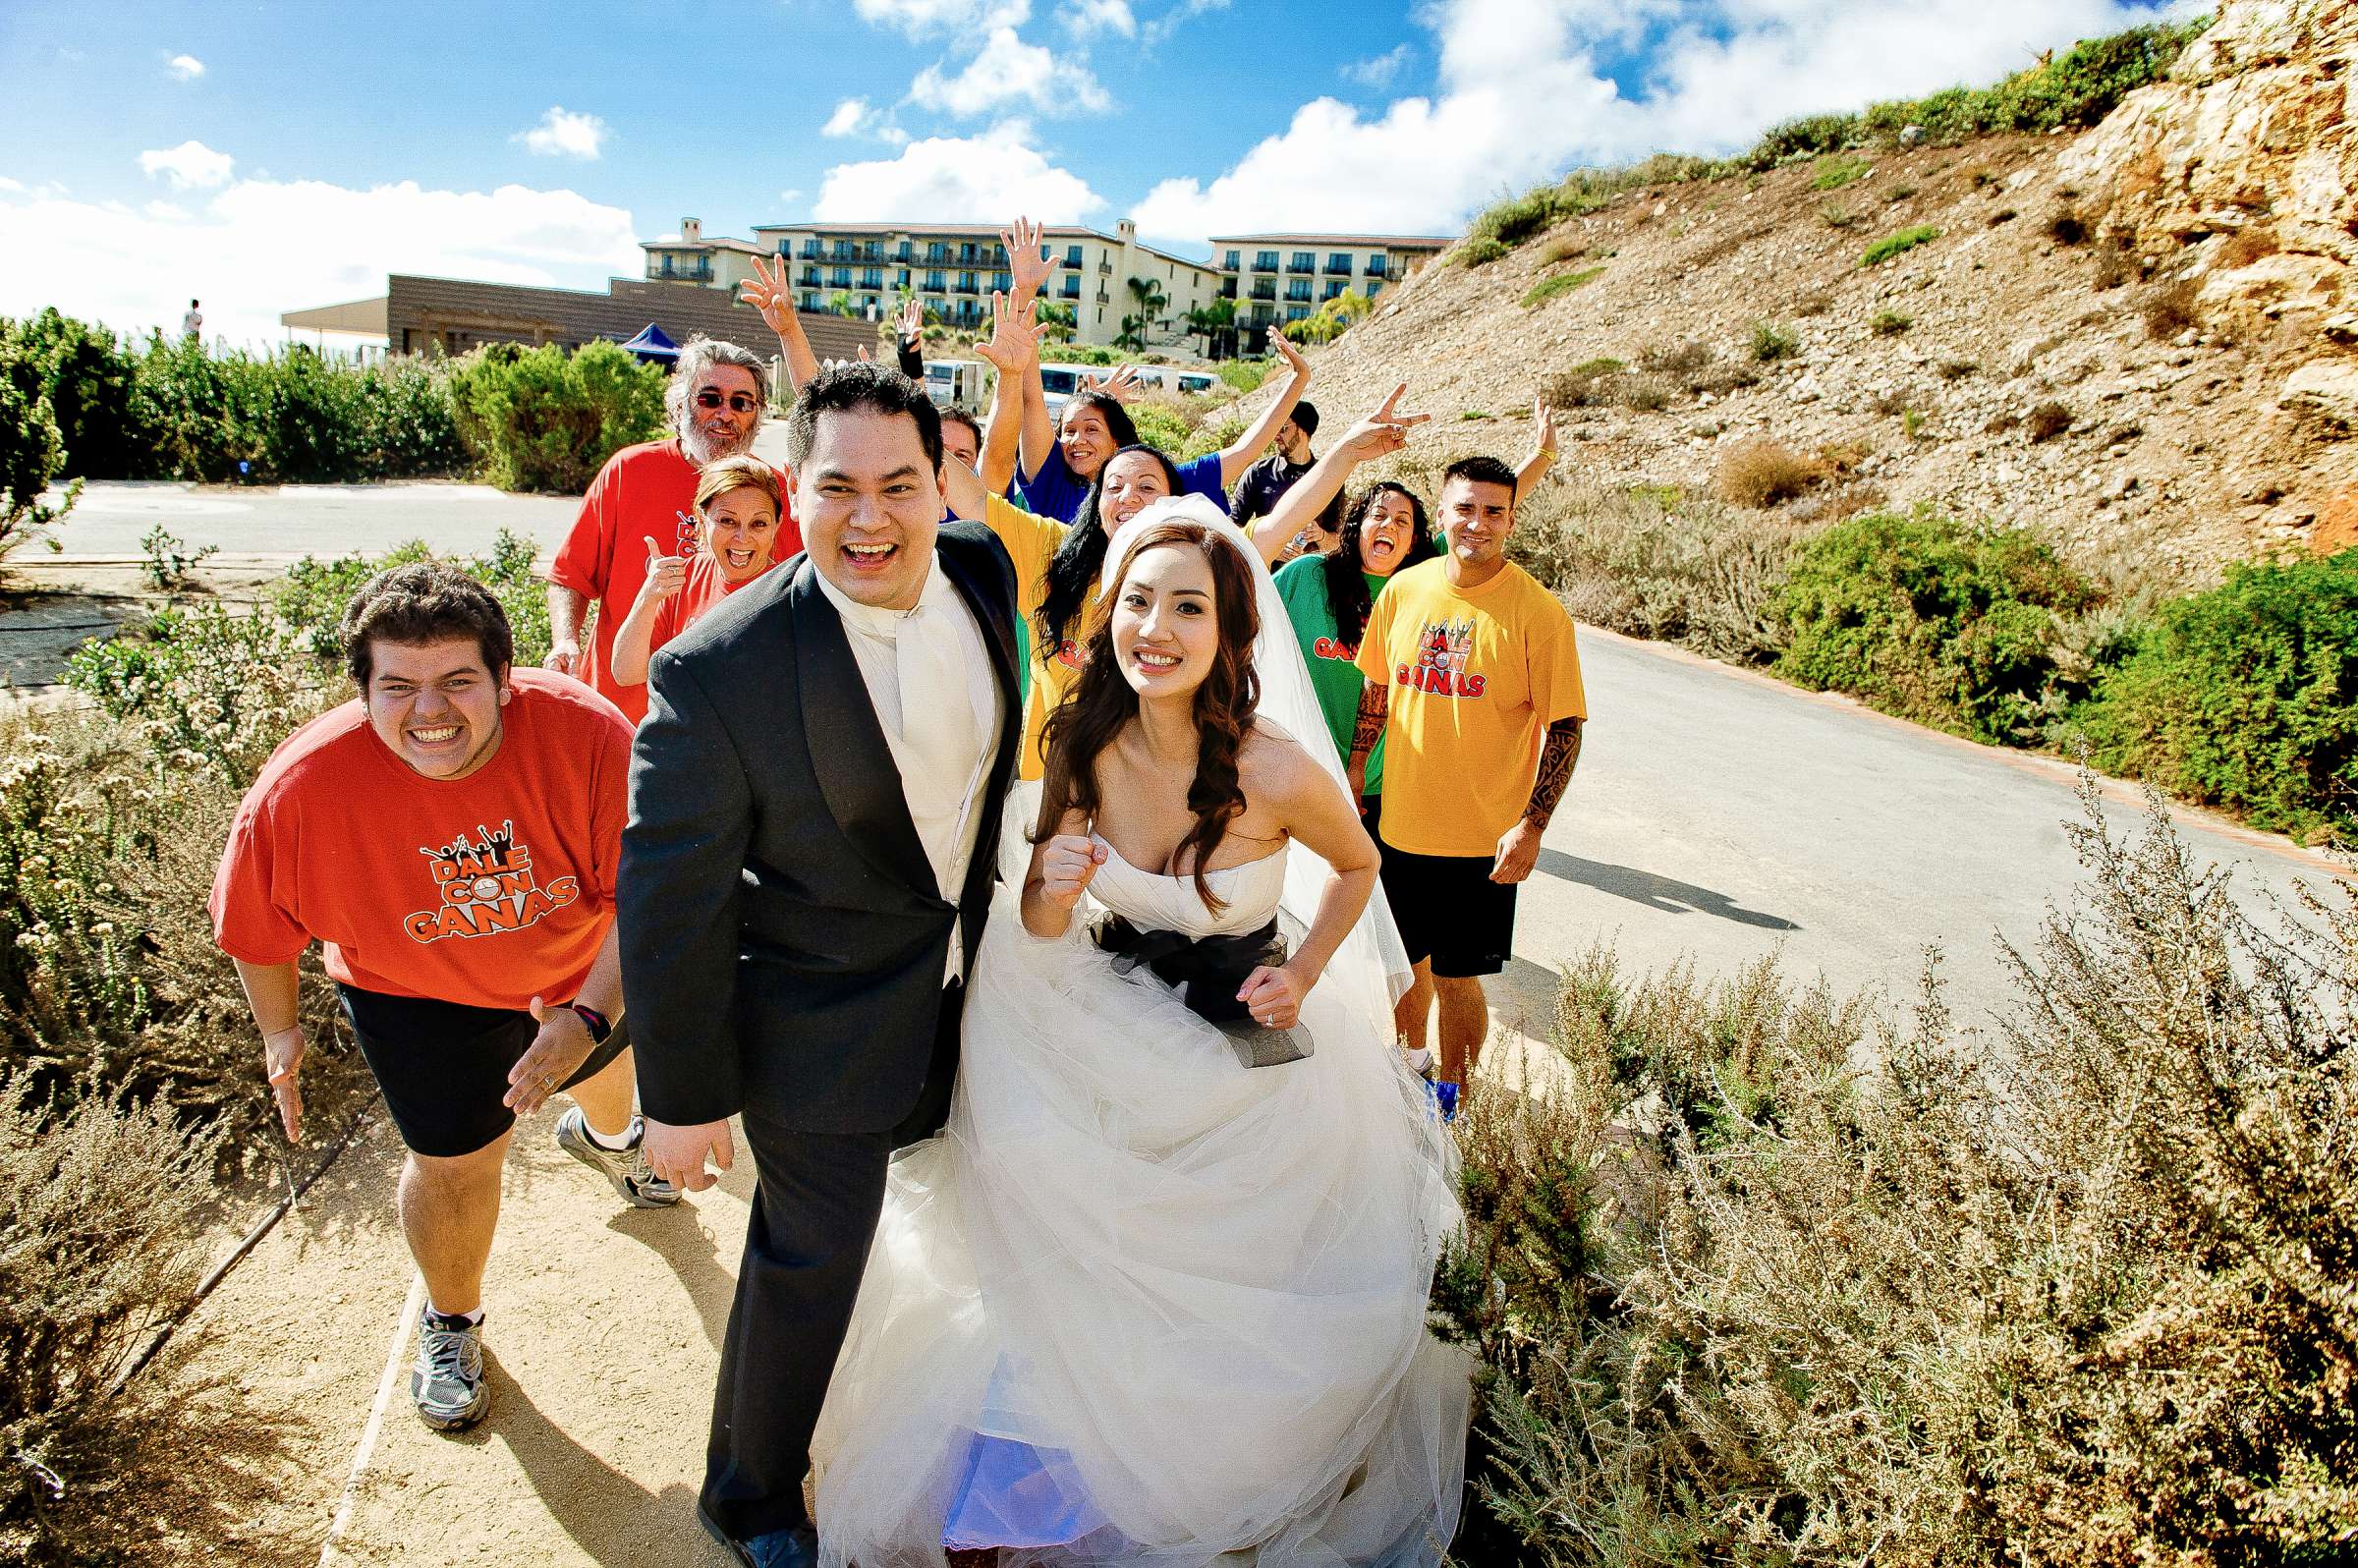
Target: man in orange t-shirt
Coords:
[(450, 840), (647, 492)]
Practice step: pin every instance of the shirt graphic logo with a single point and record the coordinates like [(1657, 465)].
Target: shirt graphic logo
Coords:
[(487, 885), (1334, 648), (1444, 648)]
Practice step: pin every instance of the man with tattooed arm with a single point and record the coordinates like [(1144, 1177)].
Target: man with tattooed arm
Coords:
[(1473, 686)]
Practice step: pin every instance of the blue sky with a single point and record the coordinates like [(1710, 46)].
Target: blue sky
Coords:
[(277, 154)]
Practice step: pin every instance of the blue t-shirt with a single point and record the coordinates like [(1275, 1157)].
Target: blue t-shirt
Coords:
[(1057, 491)]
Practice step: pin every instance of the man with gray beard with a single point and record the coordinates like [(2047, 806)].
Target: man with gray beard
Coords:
[(647, 493)]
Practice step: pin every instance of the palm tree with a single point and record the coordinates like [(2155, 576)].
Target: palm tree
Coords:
[(1204, 321), (1152, 304)]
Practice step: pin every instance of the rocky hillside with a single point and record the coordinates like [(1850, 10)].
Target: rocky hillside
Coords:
[(2140, 339)]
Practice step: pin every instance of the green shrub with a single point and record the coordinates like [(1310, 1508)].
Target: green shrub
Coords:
[(545, 419), (1772, 341), (2245, 695), (1756, 1280), (1809, 136), (1482, 250), (1921, 616), (29, 452), (1891, 245), (1833, 173), (1890, 323), (1561, 283), (88, 379), (1160, 427)]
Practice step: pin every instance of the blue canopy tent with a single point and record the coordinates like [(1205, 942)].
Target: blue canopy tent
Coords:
[(651, 344)]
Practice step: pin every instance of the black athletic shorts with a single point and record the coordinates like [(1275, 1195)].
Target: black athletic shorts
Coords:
[(1450, 912), (444, 1065)]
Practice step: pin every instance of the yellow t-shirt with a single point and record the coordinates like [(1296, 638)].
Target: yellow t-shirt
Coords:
[(1031, 541), (1474, 677)]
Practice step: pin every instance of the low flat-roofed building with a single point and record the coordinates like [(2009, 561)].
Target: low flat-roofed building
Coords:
[(952, 269), (1276, 278), (451, 315)]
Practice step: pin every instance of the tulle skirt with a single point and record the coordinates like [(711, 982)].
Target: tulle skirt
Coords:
[(1142, 1303)]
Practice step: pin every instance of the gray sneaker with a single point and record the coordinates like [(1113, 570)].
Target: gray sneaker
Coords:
[(447, 1378), (626, 1168)]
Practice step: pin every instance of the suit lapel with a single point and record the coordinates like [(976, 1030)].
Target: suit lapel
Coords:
[(853, 766)]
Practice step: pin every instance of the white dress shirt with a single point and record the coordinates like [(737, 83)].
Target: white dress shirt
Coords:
[(944, 755)]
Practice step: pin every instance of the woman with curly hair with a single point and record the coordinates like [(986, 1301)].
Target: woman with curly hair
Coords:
[(1188, 1190)]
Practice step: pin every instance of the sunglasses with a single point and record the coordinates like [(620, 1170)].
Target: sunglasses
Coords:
[(738, 401)]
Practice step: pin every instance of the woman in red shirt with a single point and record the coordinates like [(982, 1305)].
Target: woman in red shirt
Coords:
[(737, 512)]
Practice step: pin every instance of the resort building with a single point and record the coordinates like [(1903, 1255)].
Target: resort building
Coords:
[(953, 268), (689, 258), (1275, 278)]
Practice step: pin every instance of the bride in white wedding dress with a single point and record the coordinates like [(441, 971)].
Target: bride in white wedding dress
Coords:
[(1157, 1292)]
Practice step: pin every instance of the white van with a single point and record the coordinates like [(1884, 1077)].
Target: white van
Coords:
[(1061, 381), (962, 384)]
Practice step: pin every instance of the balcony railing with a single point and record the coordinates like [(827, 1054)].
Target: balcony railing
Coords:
[(1227, 288), (1299, 268), (1338, 269), (1375, 268), (1071, 289), (1265, 289)]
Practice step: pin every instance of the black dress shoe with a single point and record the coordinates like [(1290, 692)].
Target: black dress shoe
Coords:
[(779, 1548)]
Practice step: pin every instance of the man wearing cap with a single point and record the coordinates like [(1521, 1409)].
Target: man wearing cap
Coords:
[(1266, 482)]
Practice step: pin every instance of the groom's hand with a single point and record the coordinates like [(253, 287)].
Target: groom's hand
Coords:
[(677, 1155)]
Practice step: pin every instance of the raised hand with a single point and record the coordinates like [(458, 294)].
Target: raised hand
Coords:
[(1381, 432), (1027, 268), (1120, 386), (768, 294), (1015, 335), (1543, 429), (1285, 351), (1066, 865), (667, 575), (912, 319)]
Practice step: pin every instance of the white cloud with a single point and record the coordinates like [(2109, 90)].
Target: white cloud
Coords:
[(185, 67), (7, 184), (191, 167), (1007, 71), (261, 247), (1082, 17), (853, 117), (165, 211), (919, 18), (1179, 16), (790, 196), (564, 133), (1523, 95), (985, 179), (1379, 70)]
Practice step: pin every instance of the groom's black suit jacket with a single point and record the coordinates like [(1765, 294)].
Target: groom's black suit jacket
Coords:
[(783, 940)]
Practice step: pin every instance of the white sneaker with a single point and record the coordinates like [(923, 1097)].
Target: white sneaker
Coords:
[(626, 1168)]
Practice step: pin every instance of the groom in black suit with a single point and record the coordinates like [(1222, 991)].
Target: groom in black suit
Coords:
[(815, 812)]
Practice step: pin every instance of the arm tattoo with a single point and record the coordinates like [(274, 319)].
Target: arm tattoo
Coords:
[(1374, 704), (1556, 762)]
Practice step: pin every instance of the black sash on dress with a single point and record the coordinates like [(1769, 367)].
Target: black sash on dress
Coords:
[(1206, 972)]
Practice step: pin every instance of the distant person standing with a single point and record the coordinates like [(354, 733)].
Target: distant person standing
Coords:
[(647, 493), (1472, 686), (192, 324)]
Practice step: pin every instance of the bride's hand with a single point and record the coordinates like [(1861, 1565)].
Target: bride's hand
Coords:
[(1273, 996), (1066, 867)]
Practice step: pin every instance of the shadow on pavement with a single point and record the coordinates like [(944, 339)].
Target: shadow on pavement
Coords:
[(610, 1517), (1663, 894), (683, 1237)]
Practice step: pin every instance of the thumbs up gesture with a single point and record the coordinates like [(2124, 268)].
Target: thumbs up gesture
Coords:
[(667, 575)]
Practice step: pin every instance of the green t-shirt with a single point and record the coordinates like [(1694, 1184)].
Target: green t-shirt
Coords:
[(1302, 585)]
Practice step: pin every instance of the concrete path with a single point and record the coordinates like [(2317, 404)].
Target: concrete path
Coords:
[(295, 520)]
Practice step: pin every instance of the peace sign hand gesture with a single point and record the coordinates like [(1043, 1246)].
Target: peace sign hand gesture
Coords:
[(768, 294), (1381, 432)]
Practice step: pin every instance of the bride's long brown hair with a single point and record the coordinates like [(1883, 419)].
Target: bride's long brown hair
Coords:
[(1101, 702)]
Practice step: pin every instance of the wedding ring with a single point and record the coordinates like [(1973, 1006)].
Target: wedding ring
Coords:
[(548, 1085)]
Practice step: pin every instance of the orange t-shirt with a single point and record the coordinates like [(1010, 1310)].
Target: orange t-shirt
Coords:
[(643, 492), (487, 891)]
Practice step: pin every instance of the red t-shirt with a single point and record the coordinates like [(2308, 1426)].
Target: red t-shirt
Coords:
[(705, 588), (487, 891), (643, 492)]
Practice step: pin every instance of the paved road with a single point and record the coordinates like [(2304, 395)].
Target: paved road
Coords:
[(296, 520), (1715, 813)]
